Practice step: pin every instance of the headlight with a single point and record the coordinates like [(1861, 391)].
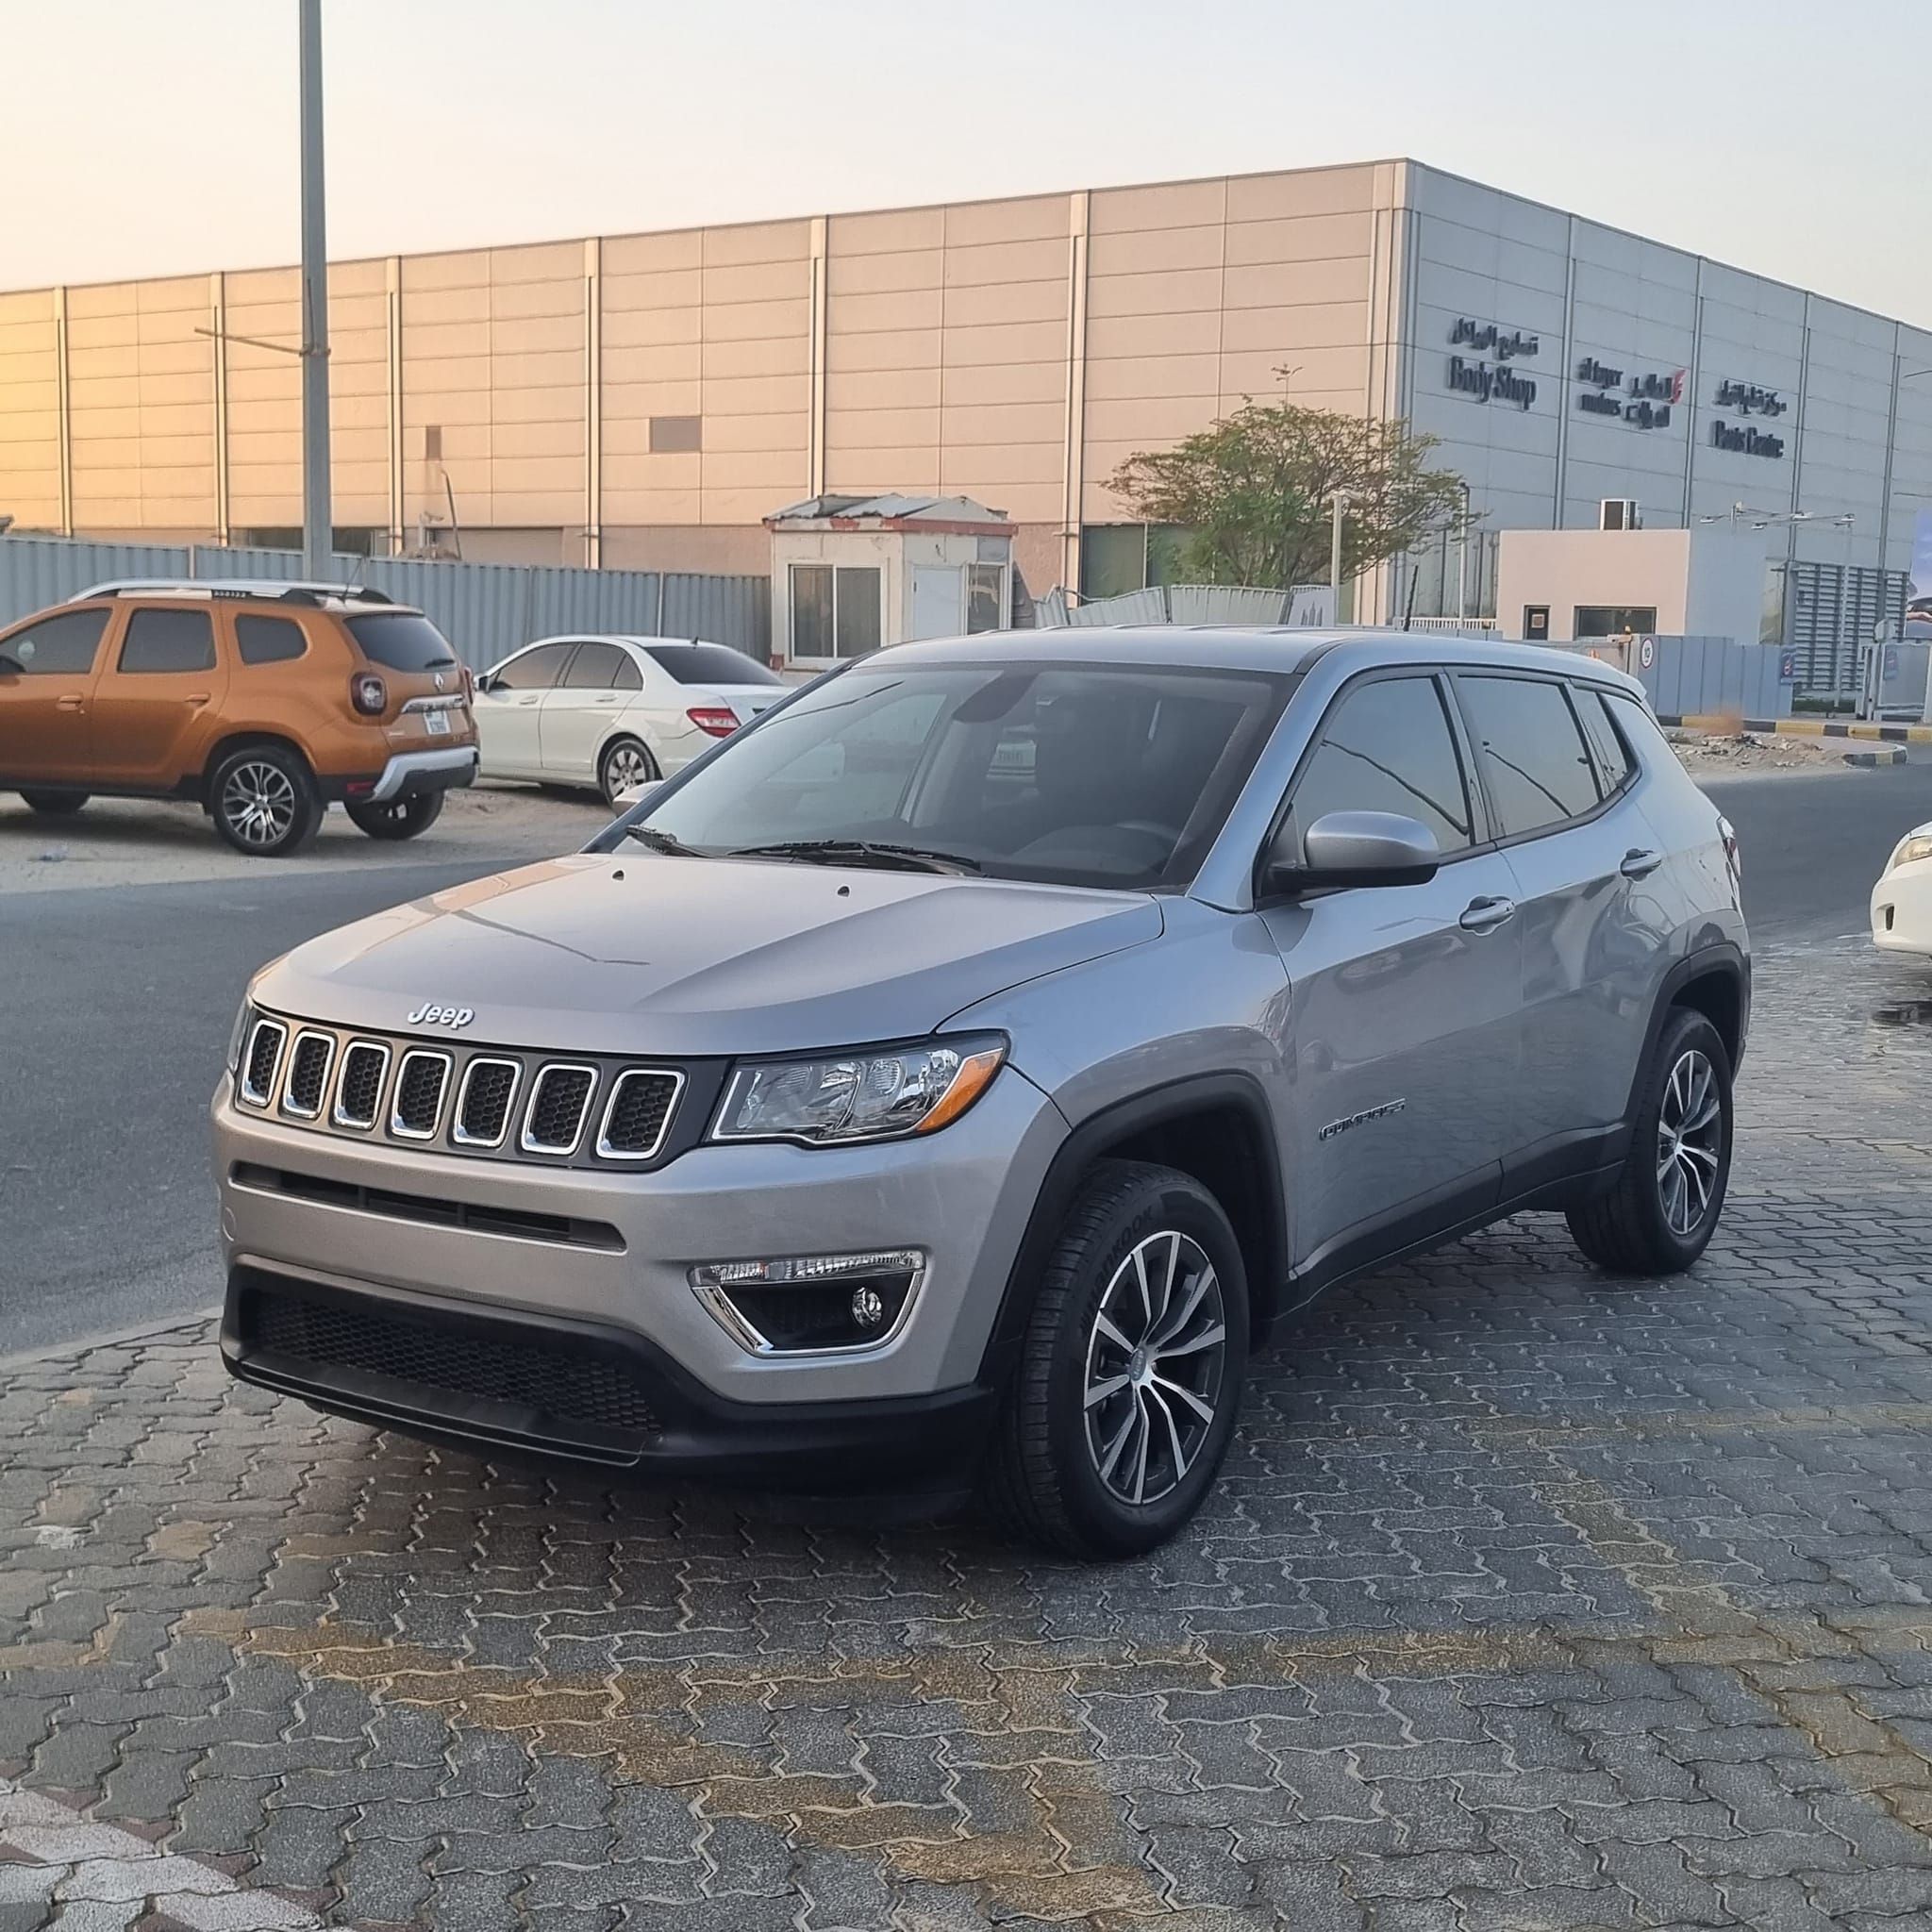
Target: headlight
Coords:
[(237, 1034), (1918, 846), (866, 1096)]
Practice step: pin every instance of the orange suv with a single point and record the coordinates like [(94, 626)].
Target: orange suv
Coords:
[(264, 702)]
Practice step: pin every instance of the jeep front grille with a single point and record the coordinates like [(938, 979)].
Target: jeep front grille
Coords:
[(483, 1103), (308, 1068), (558, 1102), (418, 1106), (498, 1102), (639, 1113)]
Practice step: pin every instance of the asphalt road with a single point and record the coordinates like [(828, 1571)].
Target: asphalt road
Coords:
[(115, 1005)]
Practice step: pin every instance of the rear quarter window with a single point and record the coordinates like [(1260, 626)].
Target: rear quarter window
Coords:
[(401, 640), (269, 640)]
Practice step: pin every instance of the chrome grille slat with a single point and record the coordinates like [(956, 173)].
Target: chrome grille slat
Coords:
[(638, 1115), (415, 1108), (359, 1088), (486, 1101), (561, 1099), (261, 1061), (310, 1061)]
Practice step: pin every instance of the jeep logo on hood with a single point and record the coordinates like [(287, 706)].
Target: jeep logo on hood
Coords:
[(452, 1017)]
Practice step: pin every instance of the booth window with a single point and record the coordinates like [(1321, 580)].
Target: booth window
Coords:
[(986, 597), (834, 610), (1612, 619)]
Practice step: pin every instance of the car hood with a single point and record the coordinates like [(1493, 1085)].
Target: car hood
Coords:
[(636, 951)]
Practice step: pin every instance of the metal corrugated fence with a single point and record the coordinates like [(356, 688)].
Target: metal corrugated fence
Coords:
[(485, 609)]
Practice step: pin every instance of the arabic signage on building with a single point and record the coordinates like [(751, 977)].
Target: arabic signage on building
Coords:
[(1481, 378), (1643, 398), (1746, 438)]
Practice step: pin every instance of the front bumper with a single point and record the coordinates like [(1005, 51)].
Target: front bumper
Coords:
[(1902, 910), (407, 1350), (611, 1253)]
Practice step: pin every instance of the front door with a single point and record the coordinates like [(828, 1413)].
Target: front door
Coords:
[(579, 716), (509, 710), (47, 730), (154, 701), (1404, 1024)]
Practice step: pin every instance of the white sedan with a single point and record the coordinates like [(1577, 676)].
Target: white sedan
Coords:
[(1902, 899), (610, 712)]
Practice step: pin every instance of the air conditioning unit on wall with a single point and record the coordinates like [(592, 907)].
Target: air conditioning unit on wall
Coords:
[(1617, 513)]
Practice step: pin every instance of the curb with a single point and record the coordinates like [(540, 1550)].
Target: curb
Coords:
[(1806, 727)]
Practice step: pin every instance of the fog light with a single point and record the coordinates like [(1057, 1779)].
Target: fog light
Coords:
[(812, 1304)]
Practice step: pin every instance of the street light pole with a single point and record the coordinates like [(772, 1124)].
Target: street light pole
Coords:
[(318, 542), (1340, 504)]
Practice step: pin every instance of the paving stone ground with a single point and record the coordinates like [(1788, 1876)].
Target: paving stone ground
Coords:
[(1530, 1599)]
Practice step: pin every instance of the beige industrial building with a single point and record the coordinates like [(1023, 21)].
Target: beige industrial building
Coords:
[(648, 400)]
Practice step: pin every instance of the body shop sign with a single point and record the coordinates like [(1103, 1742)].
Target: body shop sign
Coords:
[(1483, 375)]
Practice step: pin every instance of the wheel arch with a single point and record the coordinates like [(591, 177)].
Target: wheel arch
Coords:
[(245, 739), (1214, 1127)]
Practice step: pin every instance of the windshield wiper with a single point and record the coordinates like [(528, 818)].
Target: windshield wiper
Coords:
[(661, 841), (861, 851)]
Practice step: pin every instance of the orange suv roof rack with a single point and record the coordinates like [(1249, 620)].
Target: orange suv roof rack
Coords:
[(264, 590)]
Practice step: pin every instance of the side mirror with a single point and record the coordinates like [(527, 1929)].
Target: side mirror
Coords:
[(11, 667), (486, 682), (634, 795), (1352, 848)]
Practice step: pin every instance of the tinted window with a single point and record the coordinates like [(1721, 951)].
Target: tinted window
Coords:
[(1611, 620), (535, 670), (1388, 746), (163, 640), (60, 646), (269, 640), (1534, 767), (1082, 775), (1647, 744), (402, 641), (601, 667), (709, 664), (1613, 758)]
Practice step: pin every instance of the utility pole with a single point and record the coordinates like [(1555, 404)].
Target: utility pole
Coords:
[(318, 542), (1340, 504)]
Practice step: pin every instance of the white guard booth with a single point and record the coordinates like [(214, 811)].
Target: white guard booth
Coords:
[(850, 574)]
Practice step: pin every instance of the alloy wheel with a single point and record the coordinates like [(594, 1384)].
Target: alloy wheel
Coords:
[(1155, 1361), (626, 766), (258, 803), (1689, 1137)]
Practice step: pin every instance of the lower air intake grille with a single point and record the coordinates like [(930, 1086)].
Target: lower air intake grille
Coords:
[(308, 1075), (557, 1106), (640, 1112), (419, 1094), (359, 1092), (568, 1384)]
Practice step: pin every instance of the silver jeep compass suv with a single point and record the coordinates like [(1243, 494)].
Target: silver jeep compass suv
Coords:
[(953, 1075)]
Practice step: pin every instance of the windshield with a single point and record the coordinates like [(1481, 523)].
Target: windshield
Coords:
[(709, 664), (1072, 775), (401, 640)]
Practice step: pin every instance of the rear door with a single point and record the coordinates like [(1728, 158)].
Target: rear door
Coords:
[(509, 702), (582, 714), (153, 705), (1557, 779), (1406, 1031), (47, 728)]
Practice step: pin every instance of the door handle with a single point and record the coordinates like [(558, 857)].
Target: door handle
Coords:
[(72, 701), (1486, 915), (611, 700), (1639, 862), (197, 697)]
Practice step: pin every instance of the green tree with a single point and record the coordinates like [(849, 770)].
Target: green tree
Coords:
[(1253, 492)]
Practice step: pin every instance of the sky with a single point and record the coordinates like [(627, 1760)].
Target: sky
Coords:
[(147, 137)]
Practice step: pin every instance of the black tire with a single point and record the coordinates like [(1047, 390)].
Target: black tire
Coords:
[(625, 761), (264, 801), (1645, 1224), (1045, 1479), (398, 818), (55, 805)]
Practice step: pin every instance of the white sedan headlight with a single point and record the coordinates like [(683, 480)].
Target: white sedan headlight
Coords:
[(1918, 846), (869, 1094)]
